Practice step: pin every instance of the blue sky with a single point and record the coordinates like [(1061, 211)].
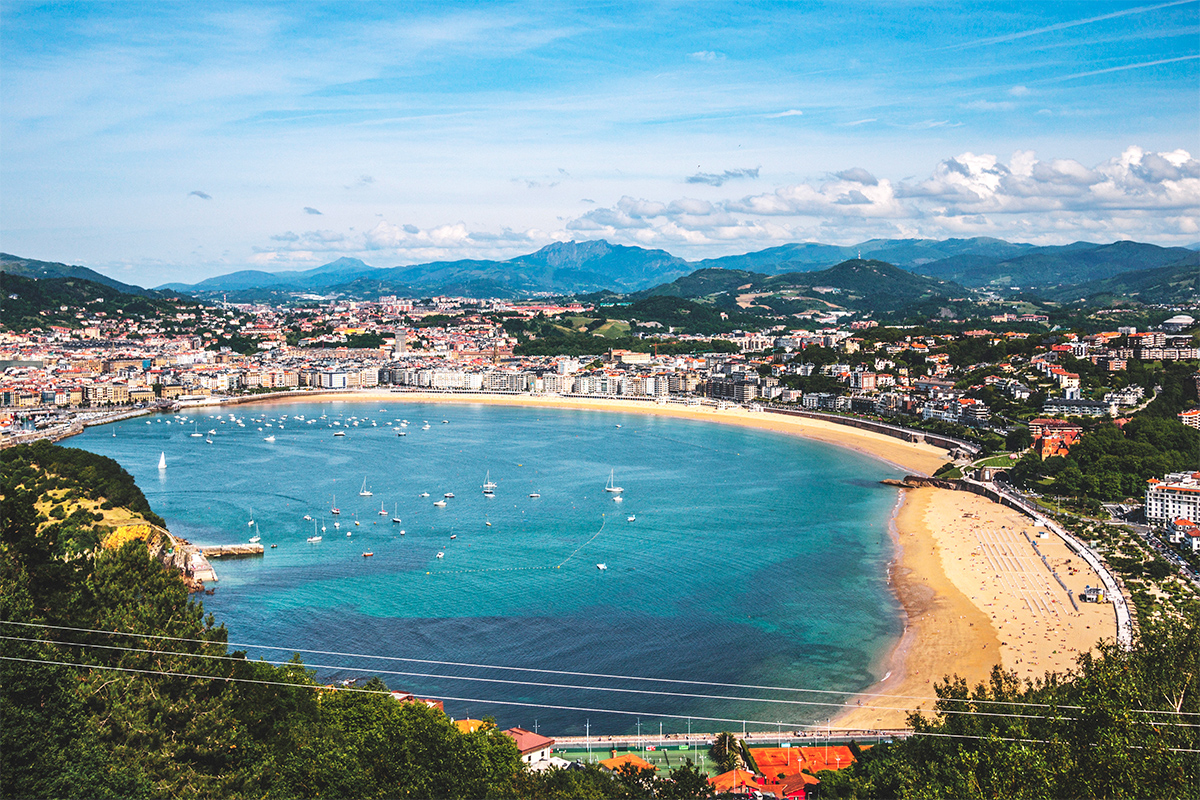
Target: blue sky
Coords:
[(166, 141)]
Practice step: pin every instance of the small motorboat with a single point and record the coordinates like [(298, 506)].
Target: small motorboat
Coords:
[(368, 554), (441, 555), (449, 495), (440, 504), (454, 536), (423, 494), (314, 539), (632, 517), (534, 494), (602, 567)]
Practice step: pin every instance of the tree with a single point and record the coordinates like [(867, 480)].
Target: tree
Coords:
[(725, 751)]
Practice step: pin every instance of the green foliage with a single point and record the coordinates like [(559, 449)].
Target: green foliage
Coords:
[(30, 303), (367, 341), (725, 751), (97, 476), (1087, 736), (1111, 463)]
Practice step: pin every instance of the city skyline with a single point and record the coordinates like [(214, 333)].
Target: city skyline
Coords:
[(155, 144)]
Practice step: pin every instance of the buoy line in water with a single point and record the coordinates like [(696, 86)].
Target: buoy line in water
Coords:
[(521, 569), (585, 544)]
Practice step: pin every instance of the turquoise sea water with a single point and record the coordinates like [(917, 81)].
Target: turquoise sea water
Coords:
[(755, 558)]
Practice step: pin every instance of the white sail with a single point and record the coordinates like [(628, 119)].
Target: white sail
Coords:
[(162, 461)]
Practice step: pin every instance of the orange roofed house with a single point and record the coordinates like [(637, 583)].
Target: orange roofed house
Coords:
[(616, 762)]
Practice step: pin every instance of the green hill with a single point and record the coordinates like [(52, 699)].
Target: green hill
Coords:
[(36, 303), (1047, 267), (39, 270), (1174, 284)]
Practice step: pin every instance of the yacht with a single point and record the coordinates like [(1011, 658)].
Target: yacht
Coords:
[(268, 438), (617, 498), (364, 492), (339, 433), (489, 485), (612, 487), (440, 504), (449, 495)]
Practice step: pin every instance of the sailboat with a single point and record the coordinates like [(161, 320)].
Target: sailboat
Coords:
[(316, 537), (256, 538), (364, 492), (396, 514), (334, 509), (162, 461), (382, 510), (489, 485), (612, 487), (250, 524), (195, 434)]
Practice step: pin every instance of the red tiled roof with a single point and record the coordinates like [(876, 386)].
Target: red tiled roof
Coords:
[(528, 741)]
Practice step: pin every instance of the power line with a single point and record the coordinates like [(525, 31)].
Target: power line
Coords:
[(568, 673), (543, 684), (173, 674)]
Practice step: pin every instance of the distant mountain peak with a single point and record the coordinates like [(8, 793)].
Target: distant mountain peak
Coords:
[(557, 254)]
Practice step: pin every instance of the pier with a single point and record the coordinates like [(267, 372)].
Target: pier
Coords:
[(232, 551)]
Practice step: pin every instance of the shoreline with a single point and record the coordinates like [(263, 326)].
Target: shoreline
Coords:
[(977, 594), (915, 458)]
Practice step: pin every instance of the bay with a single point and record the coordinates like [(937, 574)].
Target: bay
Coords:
[(755, 559)]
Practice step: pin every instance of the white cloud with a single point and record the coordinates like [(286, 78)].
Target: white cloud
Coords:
[(1151, 196)]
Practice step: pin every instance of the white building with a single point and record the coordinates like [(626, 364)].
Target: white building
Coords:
[(1176, 495)]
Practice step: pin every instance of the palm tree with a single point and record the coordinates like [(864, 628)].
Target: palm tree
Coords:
[(724, 752)]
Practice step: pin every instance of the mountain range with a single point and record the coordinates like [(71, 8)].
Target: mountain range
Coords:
[(1065, 273)]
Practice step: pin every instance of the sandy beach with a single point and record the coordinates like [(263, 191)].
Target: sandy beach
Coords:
[(977, 594), (974, 590)]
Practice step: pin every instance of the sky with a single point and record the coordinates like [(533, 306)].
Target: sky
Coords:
[(161, 142)]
